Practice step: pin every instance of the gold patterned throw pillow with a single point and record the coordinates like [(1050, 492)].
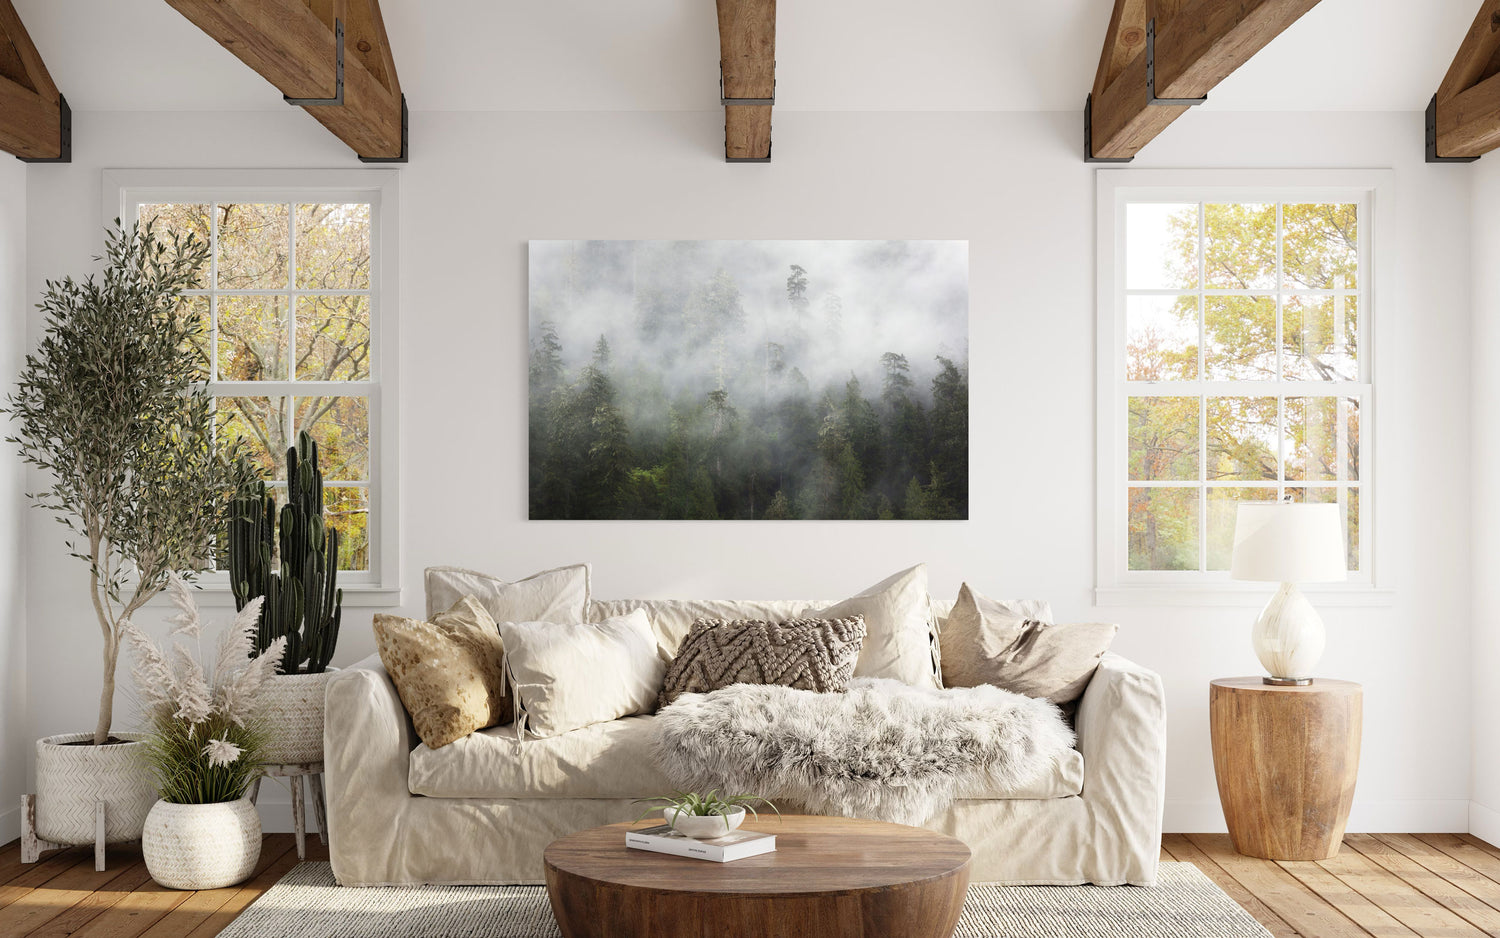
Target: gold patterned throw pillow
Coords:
[(809, 654), (449, 672)]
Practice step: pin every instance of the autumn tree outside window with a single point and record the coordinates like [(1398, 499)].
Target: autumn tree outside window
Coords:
[(1239, 368), (293, 297)]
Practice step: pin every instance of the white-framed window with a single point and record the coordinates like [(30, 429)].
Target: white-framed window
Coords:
[(1237, 338), (299, 295)]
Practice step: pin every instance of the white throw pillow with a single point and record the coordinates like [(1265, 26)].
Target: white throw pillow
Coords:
[(898, 628), (565, 676), (560, 595)]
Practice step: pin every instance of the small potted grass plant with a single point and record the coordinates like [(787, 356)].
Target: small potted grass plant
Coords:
[(703, 817), (204, 746)]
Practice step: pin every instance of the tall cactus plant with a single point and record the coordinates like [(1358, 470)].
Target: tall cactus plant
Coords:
[(303, 601)]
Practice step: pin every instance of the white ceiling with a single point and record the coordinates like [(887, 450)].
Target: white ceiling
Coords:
[(464, 55)]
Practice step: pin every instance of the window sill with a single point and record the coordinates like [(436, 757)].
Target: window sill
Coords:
[(1223, 595), (213, 596)]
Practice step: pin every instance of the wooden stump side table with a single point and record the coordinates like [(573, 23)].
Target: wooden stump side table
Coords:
[(1286, 760)]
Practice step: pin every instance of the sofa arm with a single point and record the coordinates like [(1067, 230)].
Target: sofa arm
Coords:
[(367, 742), (1122, 735)]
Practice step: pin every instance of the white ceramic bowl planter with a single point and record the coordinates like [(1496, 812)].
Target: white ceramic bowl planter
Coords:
[(704, 827), (290, 709), (72, 779), (201, 846)]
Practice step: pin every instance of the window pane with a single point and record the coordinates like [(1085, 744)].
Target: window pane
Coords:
[(1164, 438), (1240, 332), (1164, 528), (261, 423), (1239, 245), (1223, 507), (1162, 338), (333, 246), (1322, 439), (347, 510), (1320, 338), (179, 218), (341, 427), (252, 338), (333, 338), (1242, 438), (1320, 246), (253, 246), (1161, 246), (1326, 495)]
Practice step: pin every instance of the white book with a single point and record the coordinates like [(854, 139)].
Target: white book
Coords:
[(736, 845)]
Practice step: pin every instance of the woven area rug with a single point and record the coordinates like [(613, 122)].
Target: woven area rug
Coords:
[(308, 904)]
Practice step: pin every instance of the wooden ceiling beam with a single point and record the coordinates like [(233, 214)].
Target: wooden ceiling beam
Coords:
[(295, 45), (747, 66), (35, 123), (1191, 46), (1463, 118)]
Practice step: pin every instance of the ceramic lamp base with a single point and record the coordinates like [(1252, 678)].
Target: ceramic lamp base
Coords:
[(1289, 637)]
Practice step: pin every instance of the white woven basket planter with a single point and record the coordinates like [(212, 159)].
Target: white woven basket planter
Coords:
[(291, 710), (201, 846), (71, 780)]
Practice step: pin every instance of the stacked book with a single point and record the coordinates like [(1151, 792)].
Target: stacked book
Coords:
[(736, 845)]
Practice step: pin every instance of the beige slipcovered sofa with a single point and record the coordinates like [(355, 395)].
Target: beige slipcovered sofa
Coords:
[(482, 809)]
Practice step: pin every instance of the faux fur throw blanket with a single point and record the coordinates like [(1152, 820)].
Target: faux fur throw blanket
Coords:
[(882, 750)]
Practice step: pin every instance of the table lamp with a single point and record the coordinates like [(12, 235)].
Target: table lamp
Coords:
[(1288, 543)]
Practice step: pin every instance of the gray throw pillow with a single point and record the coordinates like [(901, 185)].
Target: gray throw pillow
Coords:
[(988, 641), (808, 654)]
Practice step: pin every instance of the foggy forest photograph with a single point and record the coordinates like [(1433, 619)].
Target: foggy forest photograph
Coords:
[(749, 380)]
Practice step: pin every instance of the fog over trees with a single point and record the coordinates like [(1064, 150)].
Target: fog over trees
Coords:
[(749, 379)]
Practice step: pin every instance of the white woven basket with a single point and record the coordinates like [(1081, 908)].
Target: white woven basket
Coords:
[(290, 708), (201, 846), (71, 779)]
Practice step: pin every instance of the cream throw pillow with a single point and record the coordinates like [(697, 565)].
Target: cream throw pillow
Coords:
[(449, 672), (560, 595), (898, 628), (570, 675), (989, 641)]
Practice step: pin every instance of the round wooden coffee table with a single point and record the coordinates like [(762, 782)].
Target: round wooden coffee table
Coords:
[(829, 877)]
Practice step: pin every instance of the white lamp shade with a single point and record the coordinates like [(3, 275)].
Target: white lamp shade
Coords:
[(1288, 543)]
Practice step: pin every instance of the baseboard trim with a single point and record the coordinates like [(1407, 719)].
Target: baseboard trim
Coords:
[(1407, 817), (1484, 823), (10, 824)]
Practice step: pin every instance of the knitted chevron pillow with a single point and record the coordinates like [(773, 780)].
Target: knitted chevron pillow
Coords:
[(809, 654)]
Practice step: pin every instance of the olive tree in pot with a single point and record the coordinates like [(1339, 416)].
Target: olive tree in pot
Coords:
[(112, 409), (303, 604)]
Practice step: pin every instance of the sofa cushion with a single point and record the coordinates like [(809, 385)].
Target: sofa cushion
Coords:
[(560, 595), (609, 760), (810, 654), (569, 675), (672, 619), (898, 628), (606, 760)]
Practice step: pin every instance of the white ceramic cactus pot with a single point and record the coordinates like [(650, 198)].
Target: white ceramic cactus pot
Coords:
[(290, 709)]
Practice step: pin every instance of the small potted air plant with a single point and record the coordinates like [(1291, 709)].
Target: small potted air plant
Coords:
[(704, 817), (204, 746)]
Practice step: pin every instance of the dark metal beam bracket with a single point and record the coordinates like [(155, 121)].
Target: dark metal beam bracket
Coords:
[(1088, 137), (65, 151), (745, 102), (1432, 154), (338, 81), (747, 159), (1151, 97), (393, 159)]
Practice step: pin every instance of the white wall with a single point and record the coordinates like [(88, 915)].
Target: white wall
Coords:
[(481, 184), (15, 734), (1484, 811)]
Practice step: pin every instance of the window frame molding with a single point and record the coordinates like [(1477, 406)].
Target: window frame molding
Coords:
[(381, 584), (1115, 585)]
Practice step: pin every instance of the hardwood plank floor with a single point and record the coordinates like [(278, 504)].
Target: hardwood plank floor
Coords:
[(1381, 885)]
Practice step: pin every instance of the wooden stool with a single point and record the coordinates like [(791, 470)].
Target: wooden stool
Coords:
[(1286, 758), (313, 772)]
